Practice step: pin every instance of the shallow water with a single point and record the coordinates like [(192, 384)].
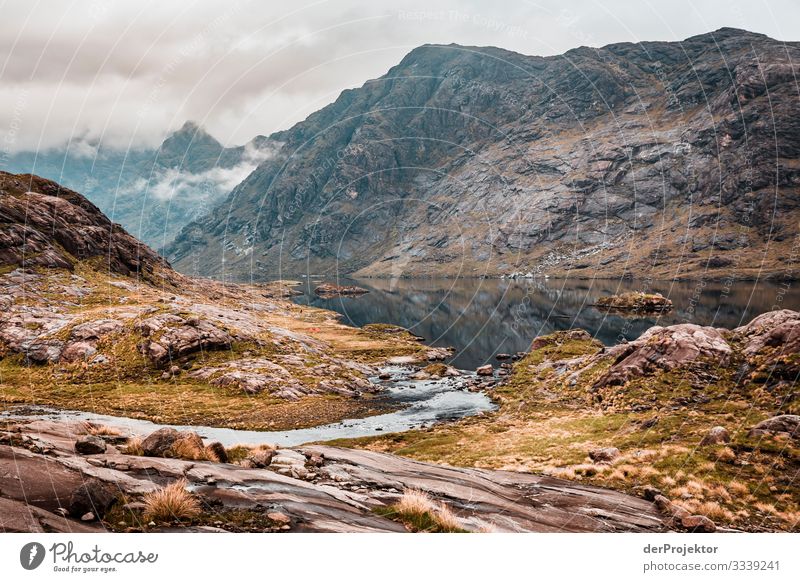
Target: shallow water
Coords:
[(426, 402), (484, 317)]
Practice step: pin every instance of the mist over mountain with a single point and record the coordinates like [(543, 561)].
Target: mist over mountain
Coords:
[(153, 193), (655, 159)]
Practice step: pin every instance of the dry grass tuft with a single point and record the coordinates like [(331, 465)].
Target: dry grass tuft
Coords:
[(171, 502), (446, 519), (95, 429), (415, 501), (133, 446), (191, 449)]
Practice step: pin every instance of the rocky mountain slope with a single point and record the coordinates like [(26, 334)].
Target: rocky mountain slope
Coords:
[(153, 193), (657, 159)]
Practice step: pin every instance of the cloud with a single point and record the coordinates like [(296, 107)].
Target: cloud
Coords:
[(126, 73), (180, 184)]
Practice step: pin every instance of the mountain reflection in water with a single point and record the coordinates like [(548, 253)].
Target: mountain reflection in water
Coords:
[(485, 317)]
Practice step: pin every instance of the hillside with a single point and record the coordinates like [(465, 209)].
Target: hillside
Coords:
[(656, 159), (153, 193)]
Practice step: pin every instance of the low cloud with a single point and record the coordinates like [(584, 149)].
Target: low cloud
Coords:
[(127, 73)]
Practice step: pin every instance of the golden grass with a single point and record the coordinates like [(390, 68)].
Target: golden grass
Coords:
[(170, 503), (415, 501), (95, 429), (446, 519), (133, 446)]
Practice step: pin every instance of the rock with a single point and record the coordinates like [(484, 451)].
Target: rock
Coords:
[(420, 375), (636, 302), (660, 348), (650, 493), (94, 330), (259, 458), (327, 290), (604, 455), (384, 376), (159, 443), (486, 370), (279, 517), (177, 337), (78, 352), (559, 337), (88, 516), (92, 496), (716, 436), (502, 357), (216, 451), (90, 445), (315, 459), (698, 523), (783, 424)]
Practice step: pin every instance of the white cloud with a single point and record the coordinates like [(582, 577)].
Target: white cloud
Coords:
[(128, 72)]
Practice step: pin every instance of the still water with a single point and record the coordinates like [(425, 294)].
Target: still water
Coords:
[(484, 317)]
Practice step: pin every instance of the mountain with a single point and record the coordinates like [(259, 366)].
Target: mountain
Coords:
[(152, 192), (655, 159)]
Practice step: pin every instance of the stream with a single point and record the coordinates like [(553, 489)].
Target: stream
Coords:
[(424, 402)]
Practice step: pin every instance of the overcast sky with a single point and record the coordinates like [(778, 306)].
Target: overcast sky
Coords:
[(130, 71)]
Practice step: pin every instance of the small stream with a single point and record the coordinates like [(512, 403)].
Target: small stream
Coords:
[(425, 402)]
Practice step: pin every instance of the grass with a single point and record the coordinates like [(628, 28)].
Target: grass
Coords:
[(419, 513), (99, 429), (133, 446), (169, 503)]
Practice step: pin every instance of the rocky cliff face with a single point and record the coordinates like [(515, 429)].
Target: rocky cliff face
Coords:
[(47, 225), (654, 159), (153, 193)]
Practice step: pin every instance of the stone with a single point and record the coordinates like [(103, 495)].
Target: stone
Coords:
[(502, 357), (783, 424), (159, 443), (604, 454), (716, 436), (331, 290), (78, 352), (279, 517), (666, 348), (90, 445), (486, 370), (259, 458), (92, 496), (650, 493), (88, 516), (698, 523)]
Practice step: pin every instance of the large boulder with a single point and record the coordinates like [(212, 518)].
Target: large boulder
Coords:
[(92, 496), (775, 329), (171, 336), (664, 349), (90, 445), (784, 424), (159, 443), (716, 436)]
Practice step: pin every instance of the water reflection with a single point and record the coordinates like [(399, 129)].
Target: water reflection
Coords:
[(484, 317)]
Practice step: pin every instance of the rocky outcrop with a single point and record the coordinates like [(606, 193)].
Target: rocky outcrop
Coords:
[(635, 302), (667, 348), (47, 225), (783, 424), (319, 489), (585, 163), (328, 290)]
